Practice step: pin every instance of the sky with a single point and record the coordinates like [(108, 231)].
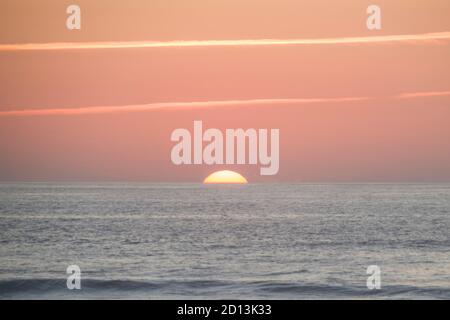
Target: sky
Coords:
[(100, 103)]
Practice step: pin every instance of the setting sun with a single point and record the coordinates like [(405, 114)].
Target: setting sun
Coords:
[(225, 176)]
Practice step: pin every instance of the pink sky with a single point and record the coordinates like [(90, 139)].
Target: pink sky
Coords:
[(347, 112)]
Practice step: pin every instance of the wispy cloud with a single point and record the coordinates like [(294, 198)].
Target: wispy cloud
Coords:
[(423, 94), (204, 104), (408, 38), (171, 105)]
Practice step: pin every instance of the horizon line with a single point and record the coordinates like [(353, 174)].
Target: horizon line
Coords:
[(408, 38), (74, 181)]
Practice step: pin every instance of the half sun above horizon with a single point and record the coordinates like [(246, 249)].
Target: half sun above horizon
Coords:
[(225, 176)]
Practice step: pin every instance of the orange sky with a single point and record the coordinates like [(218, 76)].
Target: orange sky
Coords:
[(382, 138)]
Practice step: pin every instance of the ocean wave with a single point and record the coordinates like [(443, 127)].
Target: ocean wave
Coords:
[(206, 289)]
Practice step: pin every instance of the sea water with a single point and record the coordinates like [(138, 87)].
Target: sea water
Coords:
[(194, 241)]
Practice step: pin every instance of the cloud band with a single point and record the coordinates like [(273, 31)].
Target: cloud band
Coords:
[(412, 38), (203, 104)]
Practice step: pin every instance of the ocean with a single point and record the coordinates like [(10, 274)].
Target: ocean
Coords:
[(194, 241)]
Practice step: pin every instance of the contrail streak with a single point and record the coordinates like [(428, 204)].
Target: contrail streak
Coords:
[(170, 105), (411, 38), (203, 104), (423, 94)]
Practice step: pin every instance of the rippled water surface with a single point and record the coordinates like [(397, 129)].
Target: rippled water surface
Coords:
[(274, 241)]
